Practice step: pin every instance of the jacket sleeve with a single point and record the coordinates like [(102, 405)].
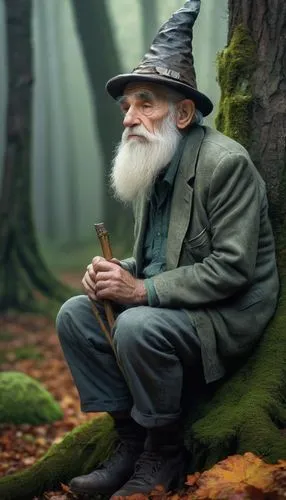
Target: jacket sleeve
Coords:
[(129, 265), (233, 208)]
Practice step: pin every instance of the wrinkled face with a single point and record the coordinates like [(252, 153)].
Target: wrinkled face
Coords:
[(148, 143), (153, 121), (143, 104)]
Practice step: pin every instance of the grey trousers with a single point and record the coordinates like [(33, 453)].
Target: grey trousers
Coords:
[(157, 350)]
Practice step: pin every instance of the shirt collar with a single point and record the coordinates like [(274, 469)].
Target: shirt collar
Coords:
[(168, 174)]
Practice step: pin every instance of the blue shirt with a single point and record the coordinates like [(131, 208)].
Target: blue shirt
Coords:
[(155, 241)]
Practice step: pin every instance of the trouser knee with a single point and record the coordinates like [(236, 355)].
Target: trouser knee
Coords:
[(131, 332), (65, 318)]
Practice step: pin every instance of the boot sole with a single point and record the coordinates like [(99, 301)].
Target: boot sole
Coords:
[(177, 484), (88, 494)]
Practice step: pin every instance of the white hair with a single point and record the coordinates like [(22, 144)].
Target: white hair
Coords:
[(173, 97), (139, 160)]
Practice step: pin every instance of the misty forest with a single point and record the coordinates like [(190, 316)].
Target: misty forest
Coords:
[(58, 133)]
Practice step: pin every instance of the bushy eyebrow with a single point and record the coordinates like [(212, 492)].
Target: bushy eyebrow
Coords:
[(143, 95)]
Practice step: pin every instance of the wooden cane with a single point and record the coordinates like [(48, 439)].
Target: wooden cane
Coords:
[(106, 332), (103, 236)]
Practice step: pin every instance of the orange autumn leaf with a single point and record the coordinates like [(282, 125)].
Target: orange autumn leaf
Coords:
[(65, 488), (237, 475), (192, 479)]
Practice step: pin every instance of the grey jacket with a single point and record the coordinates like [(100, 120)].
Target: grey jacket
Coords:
[(221, 265)]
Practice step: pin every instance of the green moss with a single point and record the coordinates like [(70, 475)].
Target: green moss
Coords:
[(278, 219), (247, 411), (27, 352), (23, 400), (79, 452), (236, 64)]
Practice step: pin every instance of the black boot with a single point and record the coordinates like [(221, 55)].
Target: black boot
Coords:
[(118, 468), (163, 462)]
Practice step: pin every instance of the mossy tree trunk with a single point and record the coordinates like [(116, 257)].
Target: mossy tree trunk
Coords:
[(22, 270), (253, 82), (102, 62)]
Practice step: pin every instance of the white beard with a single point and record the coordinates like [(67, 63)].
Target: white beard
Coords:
[(138, 161)]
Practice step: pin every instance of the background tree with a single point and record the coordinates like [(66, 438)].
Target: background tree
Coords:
[(22, 270), (250, 405), (150, 22), (102, 63)]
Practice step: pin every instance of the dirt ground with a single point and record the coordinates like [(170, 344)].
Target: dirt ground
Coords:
[(29, 344)]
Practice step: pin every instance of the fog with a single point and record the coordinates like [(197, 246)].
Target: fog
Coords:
[(67, 160)]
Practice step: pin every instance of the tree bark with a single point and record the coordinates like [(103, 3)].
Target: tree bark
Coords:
[(150, 22), (266, 24), (22, 270), (102, 62)]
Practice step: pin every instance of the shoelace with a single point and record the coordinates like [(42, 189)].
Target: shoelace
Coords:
[(120, 450), (147, 466), (109, 462)]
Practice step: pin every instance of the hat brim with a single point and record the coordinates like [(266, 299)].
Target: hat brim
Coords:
[(115, 87)]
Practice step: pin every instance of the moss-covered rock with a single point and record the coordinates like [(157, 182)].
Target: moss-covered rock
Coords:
[(23, 400), (236, 64)]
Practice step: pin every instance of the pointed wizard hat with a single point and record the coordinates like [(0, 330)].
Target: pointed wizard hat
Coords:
[(169, 61)]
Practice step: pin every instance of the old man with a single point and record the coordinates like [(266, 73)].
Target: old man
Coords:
[(201, 285)]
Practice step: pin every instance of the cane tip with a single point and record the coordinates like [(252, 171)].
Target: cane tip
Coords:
[(100, 229)]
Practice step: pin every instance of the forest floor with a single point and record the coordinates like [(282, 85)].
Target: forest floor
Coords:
[(29, 344)]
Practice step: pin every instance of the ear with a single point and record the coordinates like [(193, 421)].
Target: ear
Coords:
[(185, 113)]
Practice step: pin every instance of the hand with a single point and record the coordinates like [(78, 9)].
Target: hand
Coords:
[(89, 280), (112, 282)]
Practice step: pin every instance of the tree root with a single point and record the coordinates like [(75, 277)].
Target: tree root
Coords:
[(247, 412), (80, 451)]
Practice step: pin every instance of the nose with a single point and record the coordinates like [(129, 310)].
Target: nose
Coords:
[(131, 119)]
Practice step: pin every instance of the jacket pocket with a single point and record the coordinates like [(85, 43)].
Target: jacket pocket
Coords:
[(199, 246), (198, 240)]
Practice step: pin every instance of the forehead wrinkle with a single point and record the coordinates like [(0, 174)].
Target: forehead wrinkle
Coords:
[(141, 95), (144, 95)]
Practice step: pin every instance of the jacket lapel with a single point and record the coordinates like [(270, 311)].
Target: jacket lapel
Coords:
[(141, 216), (182, 199)]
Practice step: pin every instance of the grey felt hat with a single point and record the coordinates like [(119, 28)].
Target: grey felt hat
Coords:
[(170, 60)]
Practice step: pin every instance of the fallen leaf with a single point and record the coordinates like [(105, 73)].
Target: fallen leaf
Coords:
[(192, 479), (236, 475)]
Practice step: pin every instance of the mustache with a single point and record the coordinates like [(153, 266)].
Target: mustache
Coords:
[(139, 130)]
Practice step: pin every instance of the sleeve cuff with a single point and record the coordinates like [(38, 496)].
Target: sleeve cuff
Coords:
[(124, 265), (152, 296)]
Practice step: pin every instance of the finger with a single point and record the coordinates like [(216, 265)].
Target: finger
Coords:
[(92, 296), (88, 287), (103, 285), (91, 272), (104, 294), (104, 265), (116, 261), (103, 276), (96, 260), (89, 280)]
